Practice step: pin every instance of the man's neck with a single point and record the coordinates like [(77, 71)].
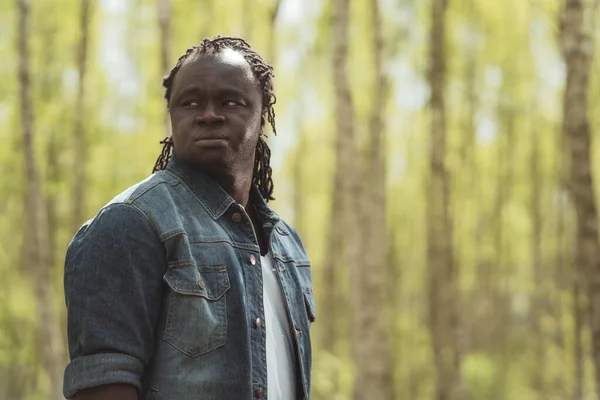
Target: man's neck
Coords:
[(237, 186)]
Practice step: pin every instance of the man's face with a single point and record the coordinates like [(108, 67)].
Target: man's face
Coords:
[(215, 110)]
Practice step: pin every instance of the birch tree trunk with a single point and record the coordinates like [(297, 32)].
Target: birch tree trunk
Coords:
[(374, 362), (207, 7), (79, 136), (48, 87), (300, 156), (164, 24), (469, 190), (577, 47), (538, 373), (342, 212), (272, 45), (562, 280), (247, 20), (38, 263), (442, 280), (578, 327)]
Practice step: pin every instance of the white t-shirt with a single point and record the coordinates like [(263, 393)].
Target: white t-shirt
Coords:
[(281, 366)]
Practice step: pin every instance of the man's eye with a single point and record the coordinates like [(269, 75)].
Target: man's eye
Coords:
[(190, 103), (231, 103)]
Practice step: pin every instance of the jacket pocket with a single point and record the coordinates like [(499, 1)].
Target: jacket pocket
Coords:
[(309, 300), (197, 309)]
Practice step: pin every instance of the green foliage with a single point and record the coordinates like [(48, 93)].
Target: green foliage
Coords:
[(517, 76)]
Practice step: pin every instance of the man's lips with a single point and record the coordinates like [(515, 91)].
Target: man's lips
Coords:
[(210, 136), (212, 139)]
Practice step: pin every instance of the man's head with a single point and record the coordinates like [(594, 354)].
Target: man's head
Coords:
[(220, 96)]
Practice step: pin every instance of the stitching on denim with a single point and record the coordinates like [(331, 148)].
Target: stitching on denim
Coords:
[(148, 218), (171, 234), (212, 342), (138, 195), (287, 259), (179, 263), (191, 191), (239, 245)]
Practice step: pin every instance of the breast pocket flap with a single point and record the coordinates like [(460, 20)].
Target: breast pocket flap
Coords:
[(208, 281)]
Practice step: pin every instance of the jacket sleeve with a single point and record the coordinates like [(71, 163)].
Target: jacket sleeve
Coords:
[(113, 289)]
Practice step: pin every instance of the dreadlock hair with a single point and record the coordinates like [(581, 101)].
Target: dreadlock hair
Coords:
[(262, 173)]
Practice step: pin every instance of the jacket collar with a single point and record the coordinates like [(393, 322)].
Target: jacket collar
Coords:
[(265, 213), (213, 197)]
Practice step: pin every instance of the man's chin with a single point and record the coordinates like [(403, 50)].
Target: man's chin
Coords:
[(212, 161)]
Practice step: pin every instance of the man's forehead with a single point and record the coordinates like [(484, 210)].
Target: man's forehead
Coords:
[(226, 57), (227, 67)]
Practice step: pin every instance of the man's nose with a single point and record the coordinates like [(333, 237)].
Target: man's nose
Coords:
[(209, 115)]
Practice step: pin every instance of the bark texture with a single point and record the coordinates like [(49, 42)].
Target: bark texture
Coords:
[(79, 136), (164, 24), (443, 296), (538, 375), (577, 47), (373, 347), (342, 213), (38, 263), (272, 46)]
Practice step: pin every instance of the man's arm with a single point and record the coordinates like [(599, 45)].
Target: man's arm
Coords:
[(108, 392), (113, 289)]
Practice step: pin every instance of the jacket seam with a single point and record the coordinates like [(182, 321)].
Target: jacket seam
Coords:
[(148, 219), (189, 190), (135, 197)]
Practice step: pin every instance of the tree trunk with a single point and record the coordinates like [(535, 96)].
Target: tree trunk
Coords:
[(501, 271), (301, 151), (396, 310), (272, 46), (207, 7), (48, 87), (342, 213), (374, 362), (247, 21), (443, 294), (538, 373), (578, 318), (577, 47), (38, 261), (164, 24), (566, 270), (79, 137), (561, 279), (468, 214)]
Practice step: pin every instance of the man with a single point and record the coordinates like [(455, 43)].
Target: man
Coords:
[(187, 285)]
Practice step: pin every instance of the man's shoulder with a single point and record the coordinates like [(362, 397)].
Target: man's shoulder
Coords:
[(292, 236), (130, 206), (286, 227), (156, 185)]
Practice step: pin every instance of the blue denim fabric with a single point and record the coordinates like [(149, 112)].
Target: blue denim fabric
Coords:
[(163, 287)]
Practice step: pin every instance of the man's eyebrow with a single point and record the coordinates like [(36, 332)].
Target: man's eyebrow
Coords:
[(223, 91), (189, 89), (232, 91)]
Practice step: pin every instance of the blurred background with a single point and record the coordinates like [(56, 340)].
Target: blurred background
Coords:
[(433, 156)]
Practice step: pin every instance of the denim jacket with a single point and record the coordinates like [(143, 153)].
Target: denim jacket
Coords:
[(164, 287)]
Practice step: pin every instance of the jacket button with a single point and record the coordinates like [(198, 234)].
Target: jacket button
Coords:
[(252, 260), (258, 323), (260, 393), (236, 217)]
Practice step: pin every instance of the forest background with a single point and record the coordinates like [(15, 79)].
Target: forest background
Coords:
[(437, 157)]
